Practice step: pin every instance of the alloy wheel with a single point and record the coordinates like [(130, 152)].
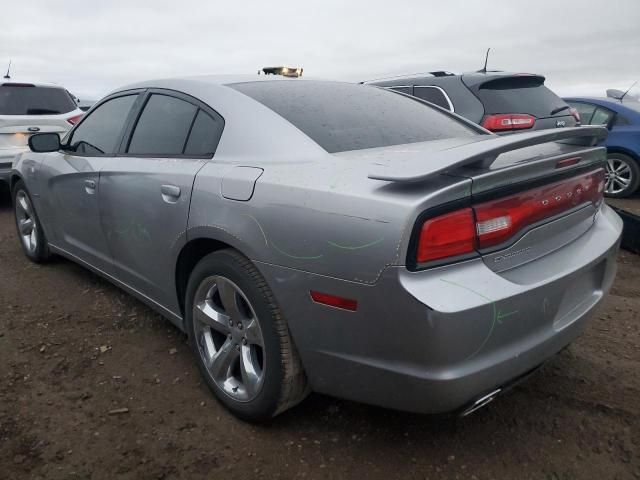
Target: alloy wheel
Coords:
[(618, 176), (27, 225), (229, 339)]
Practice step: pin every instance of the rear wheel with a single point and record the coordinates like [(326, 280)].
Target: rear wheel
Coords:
[(623, 175), (241, 342), (32, 238)]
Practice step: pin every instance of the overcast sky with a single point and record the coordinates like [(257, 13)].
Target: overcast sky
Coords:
[(91, 47)]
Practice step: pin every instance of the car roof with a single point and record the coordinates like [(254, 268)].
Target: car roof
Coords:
[(471, 78), (221, 80), (9, 81), (630, 107)]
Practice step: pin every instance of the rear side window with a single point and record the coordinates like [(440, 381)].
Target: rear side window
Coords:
[(602, 116), (585, 110), (433, 95), (101, 131), (407, 90), (28, 99), (163, 126), (521, 94), (204, 135), (342, 116)]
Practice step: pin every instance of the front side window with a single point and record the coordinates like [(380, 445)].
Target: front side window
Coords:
[(163, 126), (101, 131), (433, 95)]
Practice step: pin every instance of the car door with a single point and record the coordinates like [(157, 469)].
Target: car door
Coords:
[(146, 191), (70, 182)]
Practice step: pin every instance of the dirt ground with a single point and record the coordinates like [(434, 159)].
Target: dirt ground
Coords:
[(73, 348)]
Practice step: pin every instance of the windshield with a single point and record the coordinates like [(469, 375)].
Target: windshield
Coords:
[(31, 100), (343, 116)]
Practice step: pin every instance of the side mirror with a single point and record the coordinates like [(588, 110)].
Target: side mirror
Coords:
[(44, 142)]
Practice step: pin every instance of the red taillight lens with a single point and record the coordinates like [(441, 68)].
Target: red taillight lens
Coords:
[(448, 235), (575, 114), (75, 119), (498, 221), (508, 121)]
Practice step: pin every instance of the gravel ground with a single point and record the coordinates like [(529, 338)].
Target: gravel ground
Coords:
[(94, 385)]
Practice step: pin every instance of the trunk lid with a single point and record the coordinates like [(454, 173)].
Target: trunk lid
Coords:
[(541, 189)]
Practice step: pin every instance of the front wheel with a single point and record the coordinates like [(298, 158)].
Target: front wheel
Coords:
[(241, 341), (32, 238), (622, 175)]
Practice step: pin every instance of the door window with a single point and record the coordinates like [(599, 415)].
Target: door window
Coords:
[(101, 131), (163, 126), (204, 135)]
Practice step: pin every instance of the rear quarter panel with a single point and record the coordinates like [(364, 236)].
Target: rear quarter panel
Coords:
[(324, 217)]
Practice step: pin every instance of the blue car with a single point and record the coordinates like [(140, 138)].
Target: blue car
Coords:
[(622, 118)]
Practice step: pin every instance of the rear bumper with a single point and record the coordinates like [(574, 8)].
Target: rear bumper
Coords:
[(433, 341)]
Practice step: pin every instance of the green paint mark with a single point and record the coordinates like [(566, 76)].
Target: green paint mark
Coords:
[(297, 257), (493, 321), (259, 226), (505, 315), (347, 247)]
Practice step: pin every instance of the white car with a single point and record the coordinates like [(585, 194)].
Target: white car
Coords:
[(28, 108)]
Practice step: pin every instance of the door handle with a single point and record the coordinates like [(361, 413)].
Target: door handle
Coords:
[(170, 193), (90, 186)]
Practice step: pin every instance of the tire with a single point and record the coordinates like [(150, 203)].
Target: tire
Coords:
[(30, 232), (264, 376), (621, 169)]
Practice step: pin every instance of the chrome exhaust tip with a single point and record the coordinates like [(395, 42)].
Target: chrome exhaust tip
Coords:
[(481, 402)]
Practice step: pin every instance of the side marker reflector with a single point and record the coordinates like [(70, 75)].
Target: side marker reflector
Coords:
[(334, 301)]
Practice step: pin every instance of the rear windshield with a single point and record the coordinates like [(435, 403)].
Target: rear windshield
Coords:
[(343, 116), (520, 95), (30, 100)]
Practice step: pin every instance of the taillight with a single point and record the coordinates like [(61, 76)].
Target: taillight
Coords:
[(449, 235), (503, 220), (508, 121), (500, 220), (575, 114), (75, 119)]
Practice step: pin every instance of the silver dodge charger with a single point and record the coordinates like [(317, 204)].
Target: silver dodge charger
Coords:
[(330, 237)]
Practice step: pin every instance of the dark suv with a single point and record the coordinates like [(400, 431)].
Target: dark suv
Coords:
[(499, 101)]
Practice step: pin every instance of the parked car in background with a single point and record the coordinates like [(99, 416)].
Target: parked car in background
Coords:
[(27, 108), (622, 118), (501, 102), (329, 236)]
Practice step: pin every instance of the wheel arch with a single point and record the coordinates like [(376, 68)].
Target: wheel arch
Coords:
[(191, 253), (624, 151), (15, 178)]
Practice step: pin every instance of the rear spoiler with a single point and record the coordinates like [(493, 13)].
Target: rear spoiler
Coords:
[(416, 167)]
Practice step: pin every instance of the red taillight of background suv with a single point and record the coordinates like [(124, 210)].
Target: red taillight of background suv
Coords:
[(508, 121)]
